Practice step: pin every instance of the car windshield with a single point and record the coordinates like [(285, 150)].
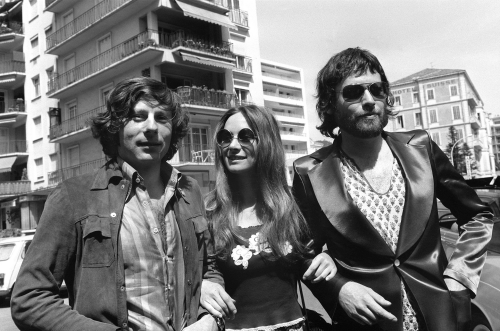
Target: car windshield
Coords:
[(5, 251)]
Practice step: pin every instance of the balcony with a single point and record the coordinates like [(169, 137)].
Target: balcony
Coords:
[(13, 147), (282, 113), (243, 64), (133, 53), (474, 122), (55, 177), (15, 187), (294, 153), (293, 136), (11, 73), (283, 95), (11, 35), (97, 20), (12, 113), (203, 98), (69, 130), (193, 155), (282, 77), (239, 17)]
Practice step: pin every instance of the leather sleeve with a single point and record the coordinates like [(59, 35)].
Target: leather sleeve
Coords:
[(36, 304), (473, 217)]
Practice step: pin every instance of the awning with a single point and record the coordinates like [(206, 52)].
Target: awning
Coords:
[(6, 163), (206, 60), (205, 15)]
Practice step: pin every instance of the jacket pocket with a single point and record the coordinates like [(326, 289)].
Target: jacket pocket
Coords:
[(97, 243)]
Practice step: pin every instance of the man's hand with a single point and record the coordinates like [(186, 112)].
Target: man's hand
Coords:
[(321, 268), (206, 323), (364, 305), (453, 285), (216, 300)]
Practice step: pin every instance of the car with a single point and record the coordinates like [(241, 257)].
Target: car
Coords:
[(14, 244), (12, 252), (485, 312)]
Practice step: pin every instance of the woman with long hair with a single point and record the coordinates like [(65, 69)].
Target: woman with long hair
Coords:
[(260, 235)]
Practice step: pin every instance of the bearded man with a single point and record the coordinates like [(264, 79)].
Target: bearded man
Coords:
[(371, 198)]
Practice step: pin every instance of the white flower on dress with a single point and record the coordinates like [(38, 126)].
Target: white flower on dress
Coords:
[(241, 254)]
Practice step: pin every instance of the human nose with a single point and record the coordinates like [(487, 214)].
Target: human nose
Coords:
[(235, 144), (151, 124), (367, 98)]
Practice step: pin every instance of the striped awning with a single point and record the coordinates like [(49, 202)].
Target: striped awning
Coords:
[(207, 61), (205, 15)]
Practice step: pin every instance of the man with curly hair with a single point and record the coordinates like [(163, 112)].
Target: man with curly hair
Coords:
[(130, 240), (371, 198)]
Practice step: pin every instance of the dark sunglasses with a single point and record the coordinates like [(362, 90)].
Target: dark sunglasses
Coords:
[(355, 92), (246, 137)]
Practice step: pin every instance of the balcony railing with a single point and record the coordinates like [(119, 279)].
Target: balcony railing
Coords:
[(11, 66), (295, 151), (49, 2), (196, 153), (13, 146), (282, 95), (11, 106), (103, 60), (74, 124), (288, 78), (222, 3), (58, 176), (204, 97), (239, 17), (11, 27), (83, 21), (293, 133), (195, 42), (15, 187), (243, 63), (280, 113)]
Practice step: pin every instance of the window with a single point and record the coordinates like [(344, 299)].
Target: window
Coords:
[(72, 109), (104, 91), (430, 94), (436, 138), (453, 90), (34, 8), (460, 134), (37, 121), (39, 168), (243, 96), (400, 122), (418, 119), (104, 43), (73, 156), (34, 46), (457, 113), (433, 116), (397, 100), (36, 85), (415, 97), (53, 162)]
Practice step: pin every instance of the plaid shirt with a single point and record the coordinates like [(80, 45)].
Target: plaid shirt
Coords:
[(153, 256)]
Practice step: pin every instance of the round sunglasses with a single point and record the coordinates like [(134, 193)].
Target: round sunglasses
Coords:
[(355, 92), (246, 137)]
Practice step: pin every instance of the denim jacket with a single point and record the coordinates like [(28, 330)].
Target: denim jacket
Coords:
[(78, 241)]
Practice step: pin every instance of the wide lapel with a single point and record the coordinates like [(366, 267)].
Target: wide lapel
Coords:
[(328, 185), (415, 163)]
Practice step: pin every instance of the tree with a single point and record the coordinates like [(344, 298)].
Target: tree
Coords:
[(468, 153), (460, 152)]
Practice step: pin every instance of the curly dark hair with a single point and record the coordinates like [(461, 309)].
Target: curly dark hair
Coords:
[(352, 61), (123, 98)]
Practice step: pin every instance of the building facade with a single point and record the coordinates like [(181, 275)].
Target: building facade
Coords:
[(63, 58), (284, 95), (436, 99), (495, 139)]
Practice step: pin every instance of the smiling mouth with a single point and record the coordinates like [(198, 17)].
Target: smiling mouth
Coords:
[(149, 144), (236, 157)]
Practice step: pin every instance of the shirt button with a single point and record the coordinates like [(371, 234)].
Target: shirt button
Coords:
[(137, 180), (189, 282), (122, 187), (124, 325), (186, 248), (122, 288), (113, 214), (397, 263), (155, 230)]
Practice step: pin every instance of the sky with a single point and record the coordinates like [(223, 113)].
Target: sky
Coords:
[(406, 36)]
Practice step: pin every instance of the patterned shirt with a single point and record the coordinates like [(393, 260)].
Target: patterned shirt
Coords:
[(152, 255), (384, 211)]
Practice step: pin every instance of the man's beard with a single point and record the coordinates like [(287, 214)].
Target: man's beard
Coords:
[(362, 126)]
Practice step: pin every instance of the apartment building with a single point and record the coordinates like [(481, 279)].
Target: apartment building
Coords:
[(435, 100), (495, 136), (60, 58), (283, 88)]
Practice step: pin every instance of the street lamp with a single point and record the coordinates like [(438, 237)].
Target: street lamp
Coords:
[(456, 142)]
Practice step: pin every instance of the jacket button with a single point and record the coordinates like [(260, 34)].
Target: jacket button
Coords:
[(122, 187), (124, 325), (397, 263), (189, 282), (113, 214), (155, 230), (186, 248), (122, 288)]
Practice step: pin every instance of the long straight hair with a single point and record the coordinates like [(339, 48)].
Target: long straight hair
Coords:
[(281, 218)]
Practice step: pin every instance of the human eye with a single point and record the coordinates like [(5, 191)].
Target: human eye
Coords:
[(138, 117), (164, 117)]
